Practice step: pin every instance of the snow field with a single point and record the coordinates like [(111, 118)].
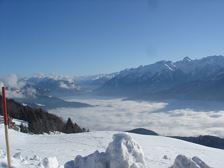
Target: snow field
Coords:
[(159, 152)]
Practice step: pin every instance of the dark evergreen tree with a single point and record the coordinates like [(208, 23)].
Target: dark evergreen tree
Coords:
[(70, 127)]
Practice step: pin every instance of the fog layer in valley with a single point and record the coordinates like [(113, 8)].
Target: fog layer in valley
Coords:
[(184, 118)]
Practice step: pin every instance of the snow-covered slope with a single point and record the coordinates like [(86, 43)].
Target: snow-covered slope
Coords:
[(160, 152)]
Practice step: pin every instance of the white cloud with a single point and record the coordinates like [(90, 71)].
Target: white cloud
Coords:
[(30, 92), (67, 86), (55, 77), (16, 87), (12, 81), (115, 114), (1, 84), (65, 82)]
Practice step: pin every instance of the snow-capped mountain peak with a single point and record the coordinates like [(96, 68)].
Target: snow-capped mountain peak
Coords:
[(187, 59), (197, 76)]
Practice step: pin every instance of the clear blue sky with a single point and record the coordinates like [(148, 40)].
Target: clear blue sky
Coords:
[(81, 37)]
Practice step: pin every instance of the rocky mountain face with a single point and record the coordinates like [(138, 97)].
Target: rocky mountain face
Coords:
[(186, 79)]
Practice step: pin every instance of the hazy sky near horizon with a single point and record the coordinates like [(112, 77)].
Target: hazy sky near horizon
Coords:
[(83, 37)]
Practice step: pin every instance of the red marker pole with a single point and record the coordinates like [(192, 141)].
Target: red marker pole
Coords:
[(6, 123)]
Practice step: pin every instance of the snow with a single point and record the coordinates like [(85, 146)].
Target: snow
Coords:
[(186, 59), (183, 162), (41, 105), (50, 162), (18, 122), (24, 104), (59, 149), (19, 162), (123, 152), (169, 67)]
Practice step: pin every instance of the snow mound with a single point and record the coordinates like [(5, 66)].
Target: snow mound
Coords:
[(19, 162), (182, 161), (95, 160), (16, 162), (50, 162), (18, 156), (35, 158), (123, 152)]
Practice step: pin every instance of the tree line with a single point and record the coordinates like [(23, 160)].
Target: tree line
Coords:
[(39, 121)]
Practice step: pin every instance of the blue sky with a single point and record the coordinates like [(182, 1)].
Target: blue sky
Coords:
[(83, 37)]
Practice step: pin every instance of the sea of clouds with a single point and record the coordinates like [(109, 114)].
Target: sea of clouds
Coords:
[(174, 117), (184, 118)]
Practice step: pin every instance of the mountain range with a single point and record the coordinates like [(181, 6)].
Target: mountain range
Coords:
[(200, 79), (194, 79)]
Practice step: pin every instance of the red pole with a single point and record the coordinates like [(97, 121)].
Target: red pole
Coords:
[(6, 122)]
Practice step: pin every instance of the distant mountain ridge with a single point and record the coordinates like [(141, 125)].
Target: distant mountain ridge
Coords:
[(194, 79), (201, 79), (142, 131), (89, 83), (50, 102), (205, 140)]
